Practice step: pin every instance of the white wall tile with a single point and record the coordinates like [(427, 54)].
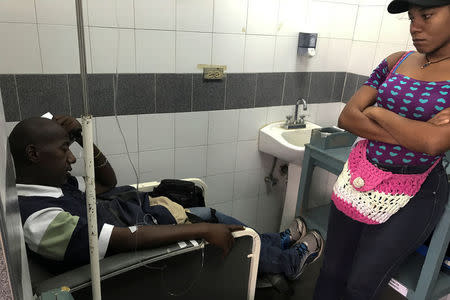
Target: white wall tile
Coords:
[(191, 129), (286, 54), (230, 16), (220, 188), (248, 156), (246, 184), (250, 121), (228, 49), (77, 150), (328, 114), (338, 55), (78, 168), (155, 14), (279, 113), (368, 23), (409, 43), (155, 51), (59, 48), (394, 29), (344, 1), (221, 158), (362, 58), (245, 211), (17, 11), (19, 49), (192, 48), (156, 131), (223, 126), (311, 112), (320, 14), (10, 126), (123, 168), (107, 13), (110, 139), (194, 15), (259, 53), (384, 50), (87, 43), (105, 44), (190, 162), (410, 48), (267, 163), (343, 18), (292, 17), (318, 62), (266, 188), (225, 208), (267, 224), (156, 165), (59, 12), (269, 211), (335, 20), (373, 2), (262, 16), (319, 188)]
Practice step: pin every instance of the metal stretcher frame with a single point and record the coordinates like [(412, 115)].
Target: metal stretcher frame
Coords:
[(114, 265)]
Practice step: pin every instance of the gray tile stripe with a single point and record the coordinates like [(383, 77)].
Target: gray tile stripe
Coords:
[(160, 93)]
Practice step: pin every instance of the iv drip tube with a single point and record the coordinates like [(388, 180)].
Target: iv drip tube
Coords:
[(88, 161)]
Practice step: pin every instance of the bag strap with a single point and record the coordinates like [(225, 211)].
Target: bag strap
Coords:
[(402, 58)]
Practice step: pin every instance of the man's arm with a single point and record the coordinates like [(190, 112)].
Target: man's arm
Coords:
[(105, 178), (149, 236)]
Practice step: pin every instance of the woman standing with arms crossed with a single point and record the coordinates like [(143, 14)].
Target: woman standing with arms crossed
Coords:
[(393, 189)]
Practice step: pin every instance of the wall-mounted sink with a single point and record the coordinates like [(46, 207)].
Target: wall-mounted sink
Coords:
[(286, 144)]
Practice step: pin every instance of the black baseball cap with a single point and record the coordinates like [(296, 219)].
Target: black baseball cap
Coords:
[(399, 6)]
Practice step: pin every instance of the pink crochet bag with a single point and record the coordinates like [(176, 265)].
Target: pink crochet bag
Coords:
[(370, 195)]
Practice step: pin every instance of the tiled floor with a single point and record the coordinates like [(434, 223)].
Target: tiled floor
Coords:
[(304, 288)]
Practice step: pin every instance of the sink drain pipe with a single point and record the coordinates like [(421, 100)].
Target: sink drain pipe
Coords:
[(270, 179)]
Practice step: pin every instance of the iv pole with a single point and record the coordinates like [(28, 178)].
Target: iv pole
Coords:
[(88, 161)]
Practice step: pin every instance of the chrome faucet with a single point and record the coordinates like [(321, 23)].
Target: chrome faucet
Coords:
[(299, 101), (295, 122)]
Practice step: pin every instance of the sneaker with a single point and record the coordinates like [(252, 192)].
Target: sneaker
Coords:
[(296, 230), (310, 248)]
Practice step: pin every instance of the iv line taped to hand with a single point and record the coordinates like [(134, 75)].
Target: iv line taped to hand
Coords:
[(47, 115)]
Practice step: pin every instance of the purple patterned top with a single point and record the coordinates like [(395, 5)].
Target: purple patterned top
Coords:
[(410, 98)]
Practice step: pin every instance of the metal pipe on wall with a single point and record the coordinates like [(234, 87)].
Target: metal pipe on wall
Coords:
[(82, 51), (89, 161)]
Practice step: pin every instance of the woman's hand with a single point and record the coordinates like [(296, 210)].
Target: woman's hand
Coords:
[(372, 111), (442, 118)]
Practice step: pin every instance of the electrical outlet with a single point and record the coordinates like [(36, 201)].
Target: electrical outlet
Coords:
[(211, 73)]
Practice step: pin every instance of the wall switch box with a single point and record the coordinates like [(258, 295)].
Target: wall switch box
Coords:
[(213, 73)]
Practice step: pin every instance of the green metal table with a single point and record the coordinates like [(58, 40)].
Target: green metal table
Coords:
[(419, 278)]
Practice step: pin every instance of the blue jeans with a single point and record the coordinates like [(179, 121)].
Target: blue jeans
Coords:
[(273, 258)]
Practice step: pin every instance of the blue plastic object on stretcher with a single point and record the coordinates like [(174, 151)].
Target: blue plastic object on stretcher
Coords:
[(423, 251)]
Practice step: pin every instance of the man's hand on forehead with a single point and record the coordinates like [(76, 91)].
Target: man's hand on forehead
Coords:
[(71, 125)]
